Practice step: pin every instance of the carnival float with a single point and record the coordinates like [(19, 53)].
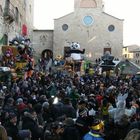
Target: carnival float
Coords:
[(18, 56)]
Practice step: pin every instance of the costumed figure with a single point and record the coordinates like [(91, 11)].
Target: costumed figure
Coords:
[(8, 56), (22, 45), (96, 131), (76, 55), (117, 113), (108, 63), (9, 53), (18, 42), (29, 67), (23, 55), (76, 52)]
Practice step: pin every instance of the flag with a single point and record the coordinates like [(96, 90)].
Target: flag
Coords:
[(24, 30)]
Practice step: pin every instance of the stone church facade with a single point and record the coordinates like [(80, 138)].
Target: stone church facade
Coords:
[(91, 27)]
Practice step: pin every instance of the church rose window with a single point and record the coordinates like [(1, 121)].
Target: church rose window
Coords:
[(64, 27), (111, 28), (88, 20)]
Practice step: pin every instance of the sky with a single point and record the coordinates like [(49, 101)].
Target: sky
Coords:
[(45, 11)]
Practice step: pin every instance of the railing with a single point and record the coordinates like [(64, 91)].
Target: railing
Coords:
[(9, 13)]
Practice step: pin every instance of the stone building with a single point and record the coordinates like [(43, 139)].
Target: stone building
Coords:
[(132, 53), (42, 40), (128, 52), (136, 55), (16, 19), (90, 26), (130, 63)]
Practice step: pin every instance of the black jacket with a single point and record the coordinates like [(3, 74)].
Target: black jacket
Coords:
[(70, 133), (12, 131), (29, 123)]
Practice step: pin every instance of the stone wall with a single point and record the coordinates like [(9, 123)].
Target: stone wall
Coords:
[(94, 38), (42, 39), (24, 17)]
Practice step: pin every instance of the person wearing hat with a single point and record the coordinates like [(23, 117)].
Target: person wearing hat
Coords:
[(96, 131), (21, 106)]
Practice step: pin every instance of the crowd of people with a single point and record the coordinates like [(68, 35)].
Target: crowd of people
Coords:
[(55, 106)]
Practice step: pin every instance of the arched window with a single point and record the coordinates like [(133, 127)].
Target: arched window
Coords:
[(30, 9), (5, 39), (6, 8), (7, 3), (16, 15), (111, 28), (1, 11), (24, 4)]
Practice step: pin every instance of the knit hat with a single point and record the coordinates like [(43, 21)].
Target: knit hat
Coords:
[(19, 100), (45, 105)]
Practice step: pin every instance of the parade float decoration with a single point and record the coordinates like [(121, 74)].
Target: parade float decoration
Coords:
[(18, 54), (74, 62), (76, 53), (107, 63)]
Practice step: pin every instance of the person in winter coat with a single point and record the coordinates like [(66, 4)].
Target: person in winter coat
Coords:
[(68, 109), (13, 131), (30, 122), (134, 134), (70, 132), (11, 127), (82, 122)]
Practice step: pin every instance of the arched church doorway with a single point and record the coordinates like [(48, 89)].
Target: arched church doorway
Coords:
[(47, 54)]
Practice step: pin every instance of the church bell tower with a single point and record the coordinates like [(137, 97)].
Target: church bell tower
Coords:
[(88, 4)]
